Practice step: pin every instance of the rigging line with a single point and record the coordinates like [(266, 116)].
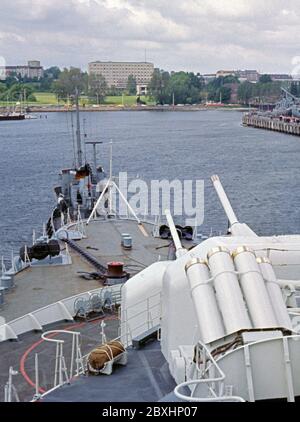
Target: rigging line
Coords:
[(84, 137), (68, 125), (73, 138)]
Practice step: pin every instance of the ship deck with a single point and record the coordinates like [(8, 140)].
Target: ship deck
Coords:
[(39, 286), (20, 354), (145, 378)]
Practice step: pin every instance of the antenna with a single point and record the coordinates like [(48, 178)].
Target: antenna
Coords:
[(110, 175), (78, 135), (94, 143), (145, 55), (110, 159), (109, 185)]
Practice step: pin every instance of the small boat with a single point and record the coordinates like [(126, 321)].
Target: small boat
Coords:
[(30, 116), (12, 116)]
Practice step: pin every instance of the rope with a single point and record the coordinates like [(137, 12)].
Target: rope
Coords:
[(108, 350)]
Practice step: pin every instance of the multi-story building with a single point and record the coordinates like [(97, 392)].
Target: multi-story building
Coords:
[(116, 73), (280, 77), (33, 69), (248, 75), (224, 73), (208, 77)]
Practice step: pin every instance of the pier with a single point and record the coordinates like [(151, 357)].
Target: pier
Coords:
[(275, 124)]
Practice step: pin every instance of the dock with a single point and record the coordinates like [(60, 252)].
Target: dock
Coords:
[(276, 124)]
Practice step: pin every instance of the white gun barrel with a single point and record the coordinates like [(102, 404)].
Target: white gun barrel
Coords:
[(228, 291), (224, 200), (206, 306), (275, 293), (254, 289), (178, 246)]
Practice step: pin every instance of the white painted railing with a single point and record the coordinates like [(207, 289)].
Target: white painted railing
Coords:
[(50, 314), (205, 363), (63, 376), (147, 310)]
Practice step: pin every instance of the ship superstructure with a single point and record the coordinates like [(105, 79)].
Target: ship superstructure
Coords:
[(217, 323)]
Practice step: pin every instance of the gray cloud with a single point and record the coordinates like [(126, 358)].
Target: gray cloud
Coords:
[(198, 35)]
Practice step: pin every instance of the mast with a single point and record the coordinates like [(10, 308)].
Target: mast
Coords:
[(110, 176), (78, 134)]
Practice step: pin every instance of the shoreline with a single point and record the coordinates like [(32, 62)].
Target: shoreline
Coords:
[(105, 108)]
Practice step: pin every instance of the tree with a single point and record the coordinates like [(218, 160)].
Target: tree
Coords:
[(196, 80), (68, 81), (11, 79), (114, 91), (50, 75), (131, 85), (97, 87), (265, 79), (222, 94), (158, 86), (181, 85), (219, 89), (52, 72), (17, 92), (230, 79), (2, 88), (245, 92)]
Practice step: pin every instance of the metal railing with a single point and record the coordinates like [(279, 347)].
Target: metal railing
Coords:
[(63, 376), (215, 383), (53, 313), (152, 313), (10, 391)]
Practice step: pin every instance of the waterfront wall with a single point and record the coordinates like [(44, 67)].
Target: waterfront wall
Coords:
[(268, 123), (56, 109)]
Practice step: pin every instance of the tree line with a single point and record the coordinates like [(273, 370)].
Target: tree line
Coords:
[(164, 87), (189, 88), (62, 83), (177, 87)]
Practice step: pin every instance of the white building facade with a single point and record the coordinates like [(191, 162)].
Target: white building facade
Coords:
[(116, 73), (32, 70)]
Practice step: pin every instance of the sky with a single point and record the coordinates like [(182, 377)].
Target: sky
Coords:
[(192, 35)]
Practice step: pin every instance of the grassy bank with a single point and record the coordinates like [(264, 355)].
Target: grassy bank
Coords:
[(48, 98)]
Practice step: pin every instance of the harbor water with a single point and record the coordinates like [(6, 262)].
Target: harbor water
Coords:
[(259, 169)]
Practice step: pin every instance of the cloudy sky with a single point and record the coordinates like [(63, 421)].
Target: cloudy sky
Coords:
[(196, 35)]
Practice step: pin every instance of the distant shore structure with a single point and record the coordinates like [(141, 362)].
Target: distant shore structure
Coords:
[(32, 70), (249, 75), (116, 73)]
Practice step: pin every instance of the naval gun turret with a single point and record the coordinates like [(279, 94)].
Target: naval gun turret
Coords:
[(235, 227)]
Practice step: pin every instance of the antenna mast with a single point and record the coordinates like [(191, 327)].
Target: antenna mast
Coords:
[(78, 134), (110, 176)]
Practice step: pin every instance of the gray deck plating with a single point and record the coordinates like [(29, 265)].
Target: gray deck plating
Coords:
[(20, 354), (40, 286), (146, 378)]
